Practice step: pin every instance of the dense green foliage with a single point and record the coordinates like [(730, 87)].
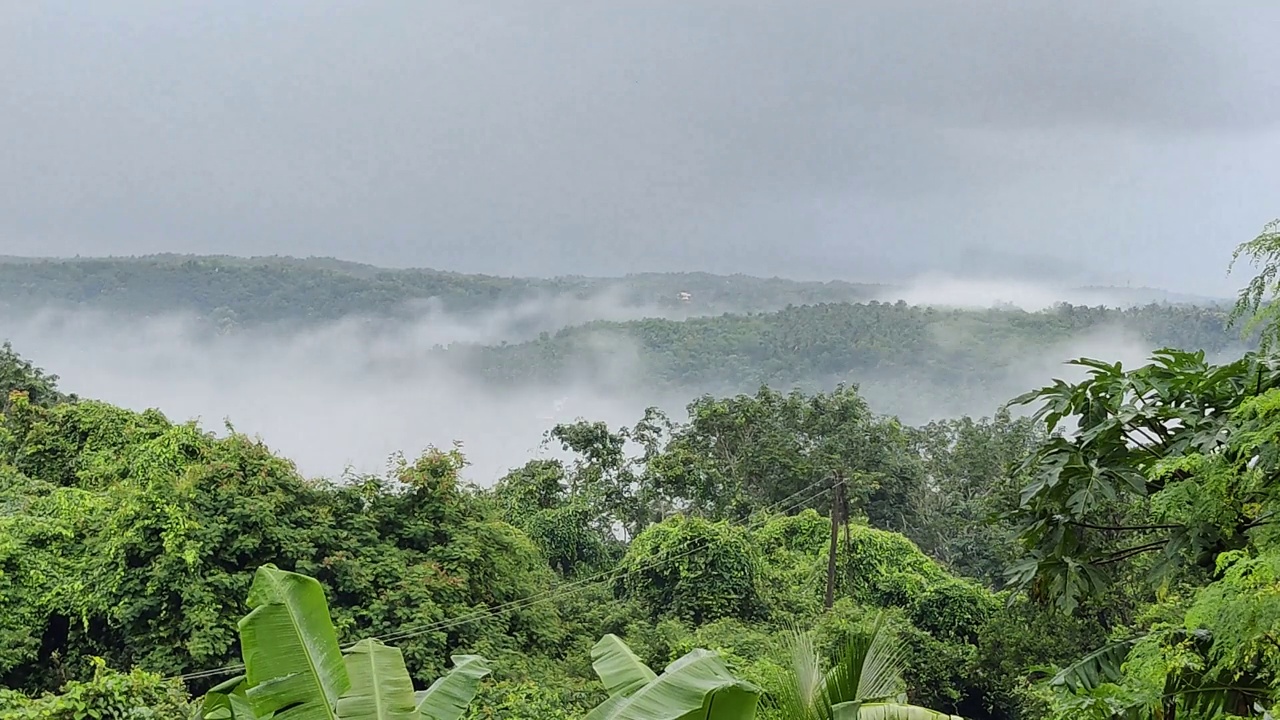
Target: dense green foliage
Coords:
[(1159, 508), (1259, 301), (132, 539), (18, 374), (1161, 505), (1115, 555)]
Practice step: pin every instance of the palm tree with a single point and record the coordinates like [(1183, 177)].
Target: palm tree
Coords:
[(865, 683)]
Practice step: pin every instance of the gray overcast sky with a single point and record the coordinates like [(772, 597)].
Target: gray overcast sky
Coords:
[(1135, 141)]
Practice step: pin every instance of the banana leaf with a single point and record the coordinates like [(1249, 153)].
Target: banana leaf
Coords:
[(619, 669), (380, 685), (294, 669), (227, 701), (449, 696), (697, 686), (886, 711)]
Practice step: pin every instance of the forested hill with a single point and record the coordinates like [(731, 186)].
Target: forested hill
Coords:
[(249, 291), (909, 360), (733, 334), (234, 292)]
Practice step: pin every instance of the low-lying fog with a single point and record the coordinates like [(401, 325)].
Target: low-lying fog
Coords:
[(323, 397), (950, 291), (316, 395)]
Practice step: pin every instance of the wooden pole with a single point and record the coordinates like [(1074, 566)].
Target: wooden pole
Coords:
[(837, 504), (844, 514)]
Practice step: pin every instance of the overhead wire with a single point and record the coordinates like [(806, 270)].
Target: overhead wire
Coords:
[(560, 591), (576, 586)]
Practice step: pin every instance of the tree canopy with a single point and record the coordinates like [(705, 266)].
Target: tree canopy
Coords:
[(1104, 548)]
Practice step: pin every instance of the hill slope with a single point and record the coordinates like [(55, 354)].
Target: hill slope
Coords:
[(250, 291)]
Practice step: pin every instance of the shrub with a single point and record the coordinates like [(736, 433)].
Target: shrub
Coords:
[(109, 695)]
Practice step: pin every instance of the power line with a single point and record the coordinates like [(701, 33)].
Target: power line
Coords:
[(557, 592), (564, 590)]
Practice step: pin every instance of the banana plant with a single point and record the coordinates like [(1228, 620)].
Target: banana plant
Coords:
[(295, 670), (865, 683), (697, 686)]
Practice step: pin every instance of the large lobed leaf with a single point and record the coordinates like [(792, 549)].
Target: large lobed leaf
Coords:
[(869, 669), (294, 669), (865, 684)]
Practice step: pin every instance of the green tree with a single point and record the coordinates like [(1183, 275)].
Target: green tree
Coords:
[(693, 569), (19, 375), (968, 484), (1209, 651), (737, 455), (1092, 501), (1258, 303), (1177, 458), (131, 538)]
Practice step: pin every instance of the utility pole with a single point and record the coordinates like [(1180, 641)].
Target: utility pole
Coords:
[(844, 514), (837, 516)]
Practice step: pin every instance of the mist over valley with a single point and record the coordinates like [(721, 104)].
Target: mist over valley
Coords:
[(341, 365), (639, 360)]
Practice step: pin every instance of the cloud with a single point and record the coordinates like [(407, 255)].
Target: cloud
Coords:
[(983, 292), (946, 291), (861, 140), (345, 394), (351, 392)]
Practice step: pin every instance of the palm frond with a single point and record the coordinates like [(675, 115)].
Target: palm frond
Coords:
[(1098, 667), (800, 688), (869, 669)]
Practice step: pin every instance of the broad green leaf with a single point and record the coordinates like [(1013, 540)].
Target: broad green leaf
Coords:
[(294, 669), (698, 686), (449, 696), (619, 669), (227, 701), (732, 703), (892, 711), (846, 710), (380, 685)]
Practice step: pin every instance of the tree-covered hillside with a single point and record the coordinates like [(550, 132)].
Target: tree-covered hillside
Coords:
[(916, 362), (232, 291), (820, 342), (786, 555), (133, 539)]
